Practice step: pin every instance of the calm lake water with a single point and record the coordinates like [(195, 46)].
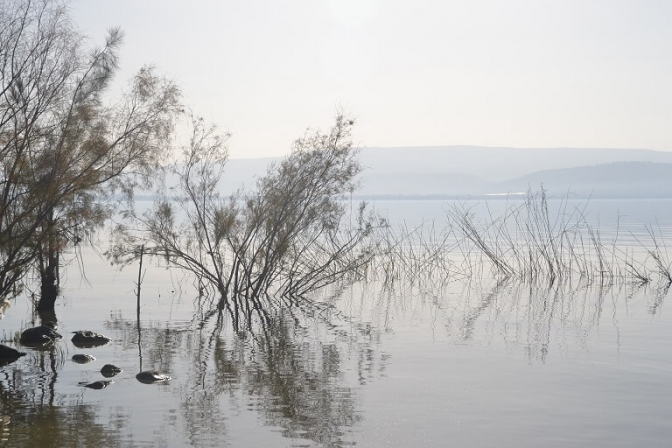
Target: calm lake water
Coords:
[(434, 363)]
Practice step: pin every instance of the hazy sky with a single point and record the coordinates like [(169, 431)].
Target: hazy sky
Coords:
[(522, 73)]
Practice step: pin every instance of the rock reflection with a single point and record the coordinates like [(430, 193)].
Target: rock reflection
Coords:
[(34, 414)]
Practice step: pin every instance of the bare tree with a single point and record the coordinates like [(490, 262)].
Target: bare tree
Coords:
[(63, 152), (292, 235)]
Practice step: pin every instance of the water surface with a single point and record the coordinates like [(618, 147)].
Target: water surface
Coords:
[(436, 362)]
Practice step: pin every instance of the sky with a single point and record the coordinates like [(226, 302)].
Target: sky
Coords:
[(514, 73)]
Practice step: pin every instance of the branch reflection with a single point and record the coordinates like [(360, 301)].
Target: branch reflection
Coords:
[(531, 317), (300, 373)]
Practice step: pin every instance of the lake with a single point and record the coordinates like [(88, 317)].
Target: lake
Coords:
[(440, 361)]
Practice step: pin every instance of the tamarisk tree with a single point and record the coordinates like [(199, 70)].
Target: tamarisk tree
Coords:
[(293, 234), (63, 152)]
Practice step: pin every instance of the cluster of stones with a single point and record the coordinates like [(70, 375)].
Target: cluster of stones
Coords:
[(46, 334)]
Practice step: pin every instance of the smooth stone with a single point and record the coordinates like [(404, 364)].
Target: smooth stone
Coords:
[(110, 370), (98, 384), (151, 376), (83, 359), (8, 355), (88, 339), (44, 334), (7, 352)]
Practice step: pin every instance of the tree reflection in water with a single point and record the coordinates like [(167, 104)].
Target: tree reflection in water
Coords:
[(300, 375), (33, 414), (300, 378), (297, 382)]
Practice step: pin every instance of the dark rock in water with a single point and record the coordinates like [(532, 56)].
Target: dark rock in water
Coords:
[(82, 359), (151, 376), (110, 370), (8, 355), (88, 339), (98, 384), (7, 352), (44, 334)]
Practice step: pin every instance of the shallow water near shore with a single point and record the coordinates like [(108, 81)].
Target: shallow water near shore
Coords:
[(432, 363)]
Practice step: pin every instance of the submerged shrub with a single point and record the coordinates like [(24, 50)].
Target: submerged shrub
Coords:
[(271, 246)]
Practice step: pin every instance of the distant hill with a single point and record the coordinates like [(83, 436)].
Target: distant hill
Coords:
[(618, 179), (498, 164), (474, 171)]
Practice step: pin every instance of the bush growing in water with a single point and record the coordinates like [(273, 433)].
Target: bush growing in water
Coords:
[(263, 248), (526, 242)]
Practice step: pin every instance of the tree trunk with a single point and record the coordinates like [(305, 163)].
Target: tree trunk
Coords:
[(49, 287)]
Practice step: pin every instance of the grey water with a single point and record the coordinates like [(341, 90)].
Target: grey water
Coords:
[(445, 363)]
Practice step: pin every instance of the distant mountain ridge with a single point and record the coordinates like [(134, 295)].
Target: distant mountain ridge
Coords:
[(474, 171), (499, 164), (617, 180)]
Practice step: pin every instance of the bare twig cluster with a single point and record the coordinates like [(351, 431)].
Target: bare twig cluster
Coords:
[(532, 242), (414, 254), (263, 248)]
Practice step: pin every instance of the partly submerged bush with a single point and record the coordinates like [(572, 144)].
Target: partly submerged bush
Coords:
[(293, 234), (531, 241)]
